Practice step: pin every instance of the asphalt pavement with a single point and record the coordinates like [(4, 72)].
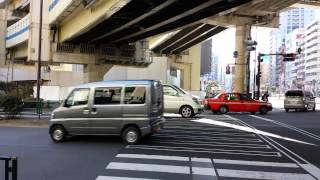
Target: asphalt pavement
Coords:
[(234, 146)]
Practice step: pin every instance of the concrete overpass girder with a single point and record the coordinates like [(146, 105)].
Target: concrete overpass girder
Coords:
[(87, 18)]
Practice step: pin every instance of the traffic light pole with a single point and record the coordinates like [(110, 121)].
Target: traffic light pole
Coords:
[(258, 78)]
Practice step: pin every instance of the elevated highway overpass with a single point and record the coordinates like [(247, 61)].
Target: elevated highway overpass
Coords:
[(100, 34)]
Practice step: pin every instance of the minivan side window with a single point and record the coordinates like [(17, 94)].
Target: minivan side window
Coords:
[(107, 95), (169, 91), (135, 95), (78, 97)]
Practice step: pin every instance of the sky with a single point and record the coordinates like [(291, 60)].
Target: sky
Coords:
[(223, 44)]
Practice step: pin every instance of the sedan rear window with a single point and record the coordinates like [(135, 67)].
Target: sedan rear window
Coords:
[(294, 94)]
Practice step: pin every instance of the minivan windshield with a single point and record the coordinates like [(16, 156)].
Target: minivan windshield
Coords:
[(294, 94)]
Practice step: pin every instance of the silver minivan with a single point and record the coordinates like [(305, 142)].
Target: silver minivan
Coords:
[(132, 109), (178, 101), (299, 100)]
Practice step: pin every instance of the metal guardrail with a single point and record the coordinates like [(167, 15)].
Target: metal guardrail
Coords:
[(11, 167)]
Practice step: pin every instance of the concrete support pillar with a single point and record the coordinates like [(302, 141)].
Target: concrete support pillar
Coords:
[(33, 42), (3, 29), (195, 57), (94, 72), (239, 78)]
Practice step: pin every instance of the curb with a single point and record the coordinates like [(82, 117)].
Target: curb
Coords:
[(24, 123)]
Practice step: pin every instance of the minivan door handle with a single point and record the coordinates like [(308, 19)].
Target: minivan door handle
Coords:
[(86, 111), (94, 111)]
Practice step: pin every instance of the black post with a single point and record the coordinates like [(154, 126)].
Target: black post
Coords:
[(258, 77), (248, 73), (39, 61), (6, 170), (14, 168)]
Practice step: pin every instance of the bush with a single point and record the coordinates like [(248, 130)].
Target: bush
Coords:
[(12, 105)]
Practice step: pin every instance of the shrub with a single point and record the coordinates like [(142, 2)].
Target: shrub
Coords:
[(12, 105)]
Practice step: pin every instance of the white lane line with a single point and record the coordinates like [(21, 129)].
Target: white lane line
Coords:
[(262, 175), (213, 150), (203, 171), (213, 145), (255, 163), (120, 178), (310, 168), (304, 132), (248, 129), (158, 157), (149, 167), (213, 142)]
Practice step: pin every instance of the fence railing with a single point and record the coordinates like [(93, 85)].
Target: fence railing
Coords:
[(10, 167)]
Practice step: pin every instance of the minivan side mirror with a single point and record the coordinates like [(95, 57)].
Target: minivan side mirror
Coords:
[(65, 104)]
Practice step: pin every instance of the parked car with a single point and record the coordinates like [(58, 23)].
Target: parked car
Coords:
[(236, 102), (299, 100), (180, 102), (132, 109)]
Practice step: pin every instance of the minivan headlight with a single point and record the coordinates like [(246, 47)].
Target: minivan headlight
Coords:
[(195, 100), (52, 115)]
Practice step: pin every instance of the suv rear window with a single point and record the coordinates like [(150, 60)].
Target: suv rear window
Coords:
[(294, 94)]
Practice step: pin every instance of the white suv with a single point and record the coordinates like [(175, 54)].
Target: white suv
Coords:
[(178, 101)]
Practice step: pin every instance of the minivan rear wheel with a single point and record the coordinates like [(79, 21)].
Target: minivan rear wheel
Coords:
[(58, 133), (131, 135), (186, 112)]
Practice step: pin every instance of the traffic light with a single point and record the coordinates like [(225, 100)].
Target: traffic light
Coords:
[(228, 69), (235, 54), (250, 45), (289, 57)]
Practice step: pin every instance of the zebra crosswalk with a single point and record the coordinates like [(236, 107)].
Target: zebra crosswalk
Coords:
[(188, 150)]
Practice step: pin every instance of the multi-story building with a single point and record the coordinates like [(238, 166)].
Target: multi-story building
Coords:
[(289, 21), (312, 57)]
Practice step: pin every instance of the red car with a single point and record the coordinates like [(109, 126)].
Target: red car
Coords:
[(236, 102)]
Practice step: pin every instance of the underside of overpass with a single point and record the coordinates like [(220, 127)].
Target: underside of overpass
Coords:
[(140, 19)]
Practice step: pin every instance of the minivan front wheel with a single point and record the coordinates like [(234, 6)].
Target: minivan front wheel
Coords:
[(131, 135), (58, 133), (186, 112)]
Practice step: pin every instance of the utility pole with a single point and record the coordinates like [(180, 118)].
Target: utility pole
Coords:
[(39, 61)]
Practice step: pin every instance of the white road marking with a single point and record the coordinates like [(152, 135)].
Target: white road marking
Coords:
[(248, 129), (120, 178), (203, 171), (207, 133), (255, 163), (310, 168), (213, 142), (149, 167), (208, 138), (262, 175), (221, 151), (290, 127), (207, 160), (158, 157)]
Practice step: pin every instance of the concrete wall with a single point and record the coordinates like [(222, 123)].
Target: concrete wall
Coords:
[(157, 70)]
